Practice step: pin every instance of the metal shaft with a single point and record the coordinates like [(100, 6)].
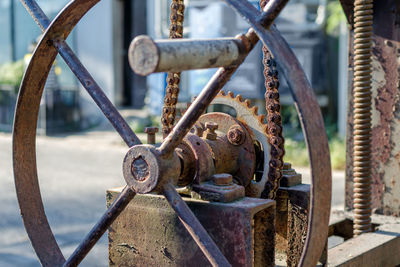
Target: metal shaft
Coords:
[(362, 115), (147, 56)]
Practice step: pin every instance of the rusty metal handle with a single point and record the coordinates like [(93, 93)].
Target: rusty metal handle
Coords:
[(175, 55)]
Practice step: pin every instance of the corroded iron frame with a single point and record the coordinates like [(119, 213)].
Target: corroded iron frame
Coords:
[(24, 134)]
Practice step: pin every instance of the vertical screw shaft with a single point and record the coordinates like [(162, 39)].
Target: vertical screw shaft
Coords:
[(362, 98)]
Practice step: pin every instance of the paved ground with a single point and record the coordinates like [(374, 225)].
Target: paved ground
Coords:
[(74, 172)]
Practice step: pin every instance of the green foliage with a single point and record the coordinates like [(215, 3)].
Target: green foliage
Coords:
[(297, 154), (12, 73), (337, 148), (139, 124), (335, 16)]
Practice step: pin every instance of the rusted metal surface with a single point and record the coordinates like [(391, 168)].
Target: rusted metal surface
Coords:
[(210, 191), (238, 160), (274, 120), (24, 134), (298, 209), (347, 6), (147, 56), (289, 176), (196, 109), (148, 232), (311, 119), (220, 78), (194, 227), (144, 172), (177, 12), (362, 100), (83, 75), (256, 126), (293, 207), (151, 134), (281, 224), (164, 166), (385, 158)]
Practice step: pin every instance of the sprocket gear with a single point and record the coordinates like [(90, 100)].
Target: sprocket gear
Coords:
[(255, 123)]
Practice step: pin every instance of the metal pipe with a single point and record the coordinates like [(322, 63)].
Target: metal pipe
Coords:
[(147, 56), (362, 97)]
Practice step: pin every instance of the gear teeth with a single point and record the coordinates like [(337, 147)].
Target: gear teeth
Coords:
[(255, 110), (239, 98), (230, 93), (247, 102), (261, 118), (222, 93)]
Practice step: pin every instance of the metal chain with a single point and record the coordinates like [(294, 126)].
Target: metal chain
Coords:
[(271, 99), (173, 79), (274, 122)]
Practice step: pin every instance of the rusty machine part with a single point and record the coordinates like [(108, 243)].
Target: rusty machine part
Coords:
[(258, 130), (150, 169), (173, 78), (363, 19), (274, 121)]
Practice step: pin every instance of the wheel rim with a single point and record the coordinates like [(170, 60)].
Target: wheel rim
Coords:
[(312, 124), (24, 134)]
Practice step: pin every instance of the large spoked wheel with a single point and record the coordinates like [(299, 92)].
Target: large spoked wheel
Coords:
[(154, 173)]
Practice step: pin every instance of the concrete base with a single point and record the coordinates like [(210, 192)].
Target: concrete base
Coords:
[(378, 248)]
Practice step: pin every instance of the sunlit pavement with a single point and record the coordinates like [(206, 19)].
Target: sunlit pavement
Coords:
[(74, 173)]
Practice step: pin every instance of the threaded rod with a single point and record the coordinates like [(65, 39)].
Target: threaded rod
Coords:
[(363, 21)]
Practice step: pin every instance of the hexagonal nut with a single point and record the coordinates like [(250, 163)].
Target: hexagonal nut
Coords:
[(211, 126), (222, 179), (211, 136), (236, 135), (151, 130)]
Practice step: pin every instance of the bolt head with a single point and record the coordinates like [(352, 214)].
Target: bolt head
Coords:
[(151, 130), (211, 126), (211, 136), (236, 136), (222, 179)]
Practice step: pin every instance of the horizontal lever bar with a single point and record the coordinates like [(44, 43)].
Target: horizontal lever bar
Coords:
[(147, 56)]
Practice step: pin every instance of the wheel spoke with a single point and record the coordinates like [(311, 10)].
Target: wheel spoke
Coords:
[(98, 230), (109, 110), (195, 229), (94, 90)]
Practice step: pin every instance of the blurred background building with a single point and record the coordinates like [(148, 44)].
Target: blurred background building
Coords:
[(315, 29)]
